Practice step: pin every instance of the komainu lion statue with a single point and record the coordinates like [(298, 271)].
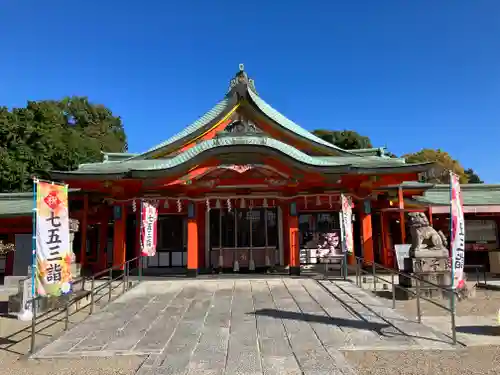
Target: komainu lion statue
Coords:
[(423, 236)]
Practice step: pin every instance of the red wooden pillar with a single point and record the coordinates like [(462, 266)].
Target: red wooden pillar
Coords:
[(293, 238), (388, 253), (367, 237), (84, 227), (201, 220), (138, 233), (119, 241), (430, 215), (192, 239), (102, 257), (402, 225), (383, 250), (285, 209)]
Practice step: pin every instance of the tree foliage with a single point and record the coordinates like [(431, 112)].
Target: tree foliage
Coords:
[(473, 177), (444, 162), (54, 135), (345, 139), (351, 140)]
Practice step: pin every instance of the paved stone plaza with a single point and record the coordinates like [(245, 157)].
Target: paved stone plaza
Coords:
[(244, 326)]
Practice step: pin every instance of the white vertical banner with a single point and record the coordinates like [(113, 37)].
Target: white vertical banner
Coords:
[(347, 240), (149, 222), (457, 231)]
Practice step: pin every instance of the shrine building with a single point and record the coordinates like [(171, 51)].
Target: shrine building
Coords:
[(242, 187)]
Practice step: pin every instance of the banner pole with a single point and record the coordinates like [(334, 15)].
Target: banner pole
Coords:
[(453, 255), (33, 243), (452, 229), (140, 241)]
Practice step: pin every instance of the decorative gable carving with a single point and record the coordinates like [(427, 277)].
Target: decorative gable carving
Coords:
[(240, 126)]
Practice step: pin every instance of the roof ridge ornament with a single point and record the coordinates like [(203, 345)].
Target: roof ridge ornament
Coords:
[(242, 78)]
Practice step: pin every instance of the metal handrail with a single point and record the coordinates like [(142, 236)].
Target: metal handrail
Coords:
[(124, 277), (447, 290)]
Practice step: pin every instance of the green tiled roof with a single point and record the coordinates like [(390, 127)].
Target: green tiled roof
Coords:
[(198, 124), (372, 161), (16, 204), (117, 156), (265, 108), (473, 195), (290, 125), (375, 151), (221, 142)]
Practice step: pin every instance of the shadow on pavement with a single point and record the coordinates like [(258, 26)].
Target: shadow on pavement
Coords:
[(363, 325), (481, 330)]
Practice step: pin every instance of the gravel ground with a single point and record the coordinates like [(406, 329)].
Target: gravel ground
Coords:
[(485, 303), (15, 346), (118, 365), (476, 360), (471, 360)]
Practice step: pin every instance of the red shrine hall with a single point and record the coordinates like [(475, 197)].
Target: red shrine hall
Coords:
[(242, 187)]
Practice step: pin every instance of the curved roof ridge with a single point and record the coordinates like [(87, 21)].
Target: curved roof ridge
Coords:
[(210, 144), (292, 126)]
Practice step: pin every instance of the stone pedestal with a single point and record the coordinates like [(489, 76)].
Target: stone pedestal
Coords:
[(433, 269), (429, 259)]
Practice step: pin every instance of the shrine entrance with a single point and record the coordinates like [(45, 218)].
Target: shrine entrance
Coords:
[(171, 250), (244, 238)]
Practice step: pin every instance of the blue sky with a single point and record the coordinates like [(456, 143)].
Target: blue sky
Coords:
[(408, 74)]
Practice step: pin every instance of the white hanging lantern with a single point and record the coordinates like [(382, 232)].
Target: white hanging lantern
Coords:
[(165, 204), (251, 263), (179, 205), (242, 203), (228, 204), (217, 203), (134, 206), (208, 204), (330, 201), (318, 201), (268, 260), (264, 204)]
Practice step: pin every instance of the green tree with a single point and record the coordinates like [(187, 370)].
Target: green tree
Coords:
[(444, 163), (59, 135), (345, 139), (473, 177)]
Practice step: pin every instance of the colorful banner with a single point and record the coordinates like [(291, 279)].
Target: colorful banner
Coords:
[(149, 233), (348, 245), (457, 232), (53, 253)]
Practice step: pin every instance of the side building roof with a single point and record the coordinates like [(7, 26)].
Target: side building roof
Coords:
[(18, 204), (472, 194)]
